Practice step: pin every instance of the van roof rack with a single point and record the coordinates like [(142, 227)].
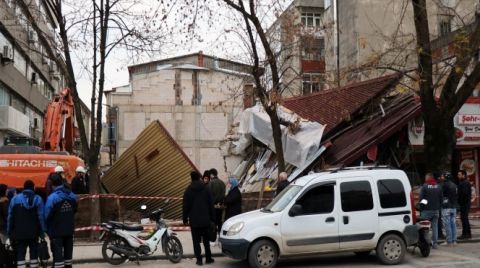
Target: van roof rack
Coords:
[(364, 167)]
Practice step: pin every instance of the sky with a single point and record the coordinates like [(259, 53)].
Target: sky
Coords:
[(216, 32)]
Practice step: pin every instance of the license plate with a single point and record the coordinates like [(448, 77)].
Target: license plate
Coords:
[(102, 235)]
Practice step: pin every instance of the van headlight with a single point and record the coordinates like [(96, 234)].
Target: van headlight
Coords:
[(235, 228)]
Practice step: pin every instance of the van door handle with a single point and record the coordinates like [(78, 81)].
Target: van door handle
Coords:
[(330, 219), (345, 219)]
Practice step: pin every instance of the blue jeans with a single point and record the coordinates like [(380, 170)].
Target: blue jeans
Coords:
[(432, 215), (448, 218)]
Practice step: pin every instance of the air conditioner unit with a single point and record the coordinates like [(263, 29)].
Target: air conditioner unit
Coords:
[(31, 37), (7, 55)]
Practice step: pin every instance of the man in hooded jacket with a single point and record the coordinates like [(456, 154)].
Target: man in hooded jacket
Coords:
[(198, 212), (60, 212), (26, 223)]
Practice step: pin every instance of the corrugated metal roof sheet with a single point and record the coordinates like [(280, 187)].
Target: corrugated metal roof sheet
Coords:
[(154, 165), (372, 132), (331, 107)]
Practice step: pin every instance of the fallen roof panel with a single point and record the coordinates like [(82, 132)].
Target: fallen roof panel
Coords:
[(153, 166)]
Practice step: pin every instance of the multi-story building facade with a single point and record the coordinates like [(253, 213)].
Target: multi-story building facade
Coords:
[(366, 39), (196, 97), (28, 76), (296, 37)]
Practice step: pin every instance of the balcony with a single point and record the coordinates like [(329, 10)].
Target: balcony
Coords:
[(14, 121)]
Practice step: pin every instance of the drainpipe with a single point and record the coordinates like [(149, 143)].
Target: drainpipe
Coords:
[(338, 42)]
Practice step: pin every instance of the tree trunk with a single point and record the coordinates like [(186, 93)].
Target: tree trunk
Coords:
[(439, 143), (94, 185)]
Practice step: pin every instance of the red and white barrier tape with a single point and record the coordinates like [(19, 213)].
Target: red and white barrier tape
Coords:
[(98, 228), (97, 196)]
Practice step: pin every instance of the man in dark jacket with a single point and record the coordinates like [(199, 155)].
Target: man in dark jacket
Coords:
[(282, 182), (3, 212), (26, 223), (79, 182), (464, 200), (217, 187), (59, 213), (198, 212), (432, 192), (449, 208)]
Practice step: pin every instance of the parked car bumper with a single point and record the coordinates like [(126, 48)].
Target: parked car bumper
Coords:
[(235, 248)]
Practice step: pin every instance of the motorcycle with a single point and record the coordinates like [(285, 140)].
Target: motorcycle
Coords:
[(424, 226), (123, 242)]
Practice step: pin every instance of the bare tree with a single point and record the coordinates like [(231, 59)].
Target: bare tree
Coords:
[(98, 28), (462, 78), (268, 93)]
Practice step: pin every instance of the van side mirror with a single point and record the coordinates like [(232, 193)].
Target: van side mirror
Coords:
[(295, 210)]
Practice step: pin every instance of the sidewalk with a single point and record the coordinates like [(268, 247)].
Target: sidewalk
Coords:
[(85, 252)]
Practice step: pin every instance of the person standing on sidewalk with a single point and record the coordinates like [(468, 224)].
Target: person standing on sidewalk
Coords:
[(464, 200), (217, 188), (60, 212), (198, 212), (3, 213), (79, 182), (431, 192), (26, 224), (233, 200), (449, 208)]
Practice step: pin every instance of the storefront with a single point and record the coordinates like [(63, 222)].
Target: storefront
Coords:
[(467, 153)]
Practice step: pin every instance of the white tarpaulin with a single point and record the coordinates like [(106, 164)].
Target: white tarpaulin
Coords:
[(297, 148)]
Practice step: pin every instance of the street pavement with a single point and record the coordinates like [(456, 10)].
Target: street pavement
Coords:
[(465, 254)]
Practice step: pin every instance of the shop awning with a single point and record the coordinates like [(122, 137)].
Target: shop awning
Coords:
[(355, 142), (153, 166)]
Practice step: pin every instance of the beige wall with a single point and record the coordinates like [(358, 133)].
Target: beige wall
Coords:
[(373, 28), (199, 130)]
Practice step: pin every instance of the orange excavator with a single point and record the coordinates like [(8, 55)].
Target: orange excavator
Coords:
[(19, 162)]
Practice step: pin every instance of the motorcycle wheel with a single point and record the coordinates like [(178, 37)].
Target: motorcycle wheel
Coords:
[(174, 249), (112, 257), (424, 246)]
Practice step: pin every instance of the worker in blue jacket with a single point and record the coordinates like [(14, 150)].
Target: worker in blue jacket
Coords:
[(26, 223), (60, 212)]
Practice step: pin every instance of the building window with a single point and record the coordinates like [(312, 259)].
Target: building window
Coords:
[(312, 83), (4, 96), (311, 19), (444, 25), (313, 48)]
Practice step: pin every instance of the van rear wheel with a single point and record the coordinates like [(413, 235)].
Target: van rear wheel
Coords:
[(391, 249), (263, 254)]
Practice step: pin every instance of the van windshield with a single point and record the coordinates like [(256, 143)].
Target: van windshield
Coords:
[(283, 199)]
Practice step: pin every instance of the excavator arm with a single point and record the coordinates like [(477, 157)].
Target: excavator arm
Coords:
[(58, 127)]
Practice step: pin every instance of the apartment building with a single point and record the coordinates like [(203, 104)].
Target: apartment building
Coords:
[(196, 97), (364, 39), (28, 78), (297, 38)]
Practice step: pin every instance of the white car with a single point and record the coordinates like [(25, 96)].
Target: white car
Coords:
[(353, 209)]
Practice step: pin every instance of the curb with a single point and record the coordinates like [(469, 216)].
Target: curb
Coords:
[(149, 258)]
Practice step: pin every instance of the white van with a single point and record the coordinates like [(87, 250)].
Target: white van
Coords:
[(353, 209)]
